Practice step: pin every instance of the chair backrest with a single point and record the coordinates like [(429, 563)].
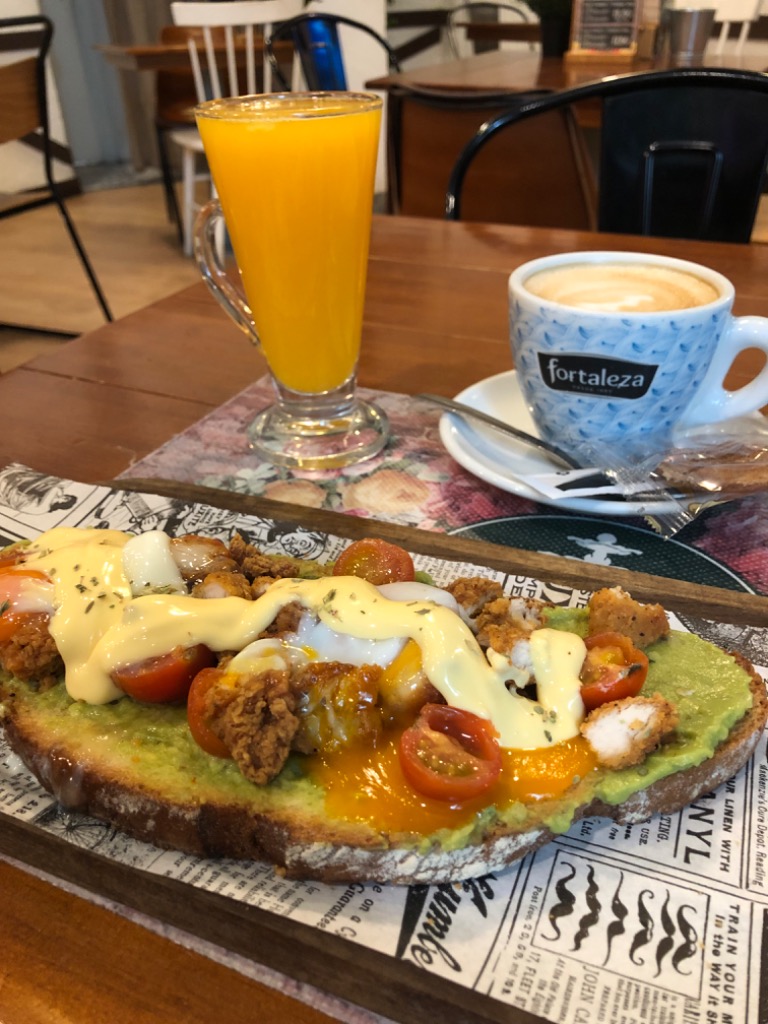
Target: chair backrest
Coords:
[(175, 89), (239, 67), (683, 152), (24, 103), (477, 12), (427, 129), (24, 118), (316, 40)]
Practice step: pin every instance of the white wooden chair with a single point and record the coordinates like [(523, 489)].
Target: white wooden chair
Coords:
[(242, 69), (729, 12), (461, 46)]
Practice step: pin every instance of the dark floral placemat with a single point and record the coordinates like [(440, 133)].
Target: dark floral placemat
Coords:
[(415, 482)]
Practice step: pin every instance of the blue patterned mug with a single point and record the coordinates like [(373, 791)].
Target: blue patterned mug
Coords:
[(625, 349)]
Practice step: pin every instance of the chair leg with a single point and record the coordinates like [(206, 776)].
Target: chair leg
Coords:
[(726, 27), (31, 329), (743, 35), (188, 176), (171, 203), (83, 256)]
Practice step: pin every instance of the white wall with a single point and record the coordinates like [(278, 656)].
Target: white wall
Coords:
[(90, 96)]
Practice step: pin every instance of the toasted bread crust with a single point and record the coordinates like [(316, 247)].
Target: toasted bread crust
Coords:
[(307, 848)]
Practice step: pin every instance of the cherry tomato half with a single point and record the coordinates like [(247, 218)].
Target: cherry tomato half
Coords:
[(165, 679), (197, 713), (613, 669), (375, 560), (449, 754)]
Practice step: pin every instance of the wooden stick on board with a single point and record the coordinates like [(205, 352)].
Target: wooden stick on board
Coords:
[(698, 600)]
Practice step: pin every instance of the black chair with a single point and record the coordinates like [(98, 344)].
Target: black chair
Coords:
[(24, 117), (427, 129), (682, 152), (315, 39), (175, 102)]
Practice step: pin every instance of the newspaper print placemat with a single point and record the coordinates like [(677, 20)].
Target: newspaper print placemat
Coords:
[(663, 921)]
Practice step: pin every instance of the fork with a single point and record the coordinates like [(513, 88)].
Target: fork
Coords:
[(665, 524)]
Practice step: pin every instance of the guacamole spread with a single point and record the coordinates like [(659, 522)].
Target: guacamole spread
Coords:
[(150, 744)]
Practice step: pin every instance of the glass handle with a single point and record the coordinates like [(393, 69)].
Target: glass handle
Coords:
[(209, 245)]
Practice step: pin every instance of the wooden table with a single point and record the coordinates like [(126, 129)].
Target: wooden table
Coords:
[(172, 56), (526, 71), (435, 320), (148, 57), (501, 31)]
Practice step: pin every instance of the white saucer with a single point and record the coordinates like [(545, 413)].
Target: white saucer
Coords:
[(503, 461)]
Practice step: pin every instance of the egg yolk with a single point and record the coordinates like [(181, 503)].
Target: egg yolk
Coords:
[(545, 773), (366, 785)]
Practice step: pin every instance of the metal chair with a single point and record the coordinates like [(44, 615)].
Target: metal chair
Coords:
[(239, 67), (24, 117), (481, 12), (683, 152), (316, 40)]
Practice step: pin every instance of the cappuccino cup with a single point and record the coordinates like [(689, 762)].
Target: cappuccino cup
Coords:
[(627, 350)]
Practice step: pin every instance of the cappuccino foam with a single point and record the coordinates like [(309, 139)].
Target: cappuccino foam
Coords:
[(621, 287)]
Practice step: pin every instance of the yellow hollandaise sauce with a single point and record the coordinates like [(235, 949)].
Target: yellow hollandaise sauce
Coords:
[(101, 623)]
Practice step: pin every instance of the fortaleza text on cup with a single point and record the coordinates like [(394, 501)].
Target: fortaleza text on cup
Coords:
[(595, 375)]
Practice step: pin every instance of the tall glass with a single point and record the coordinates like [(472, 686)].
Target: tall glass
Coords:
[(294, 174)]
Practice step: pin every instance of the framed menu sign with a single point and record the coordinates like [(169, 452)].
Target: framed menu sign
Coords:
[(604, 29)]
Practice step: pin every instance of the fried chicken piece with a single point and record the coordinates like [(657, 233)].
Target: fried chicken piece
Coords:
[(31, 654), (337, 705), (623, 732), (472, 593), (612, 610), (286, 620), (260, 585), (197, 557), (223, 584), (503, 623), (254, 563), (254, 716), (318, 706)]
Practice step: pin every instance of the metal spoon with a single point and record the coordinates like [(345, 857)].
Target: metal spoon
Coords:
[(556, 454)]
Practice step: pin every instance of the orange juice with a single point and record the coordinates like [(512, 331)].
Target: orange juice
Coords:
[(295, 180)]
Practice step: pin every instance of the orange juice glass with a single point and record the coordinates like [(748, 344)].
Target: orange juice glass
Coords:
[(294, 175)]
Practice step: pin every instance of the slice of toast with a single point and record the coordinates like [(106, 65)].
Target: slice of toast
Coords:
[(90, 768)]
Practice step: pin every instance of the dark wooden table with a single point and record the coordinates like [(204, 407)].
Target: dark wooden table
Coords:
[(501, 31), (435, 320), (526, 71), (147, 57), (172, 56)]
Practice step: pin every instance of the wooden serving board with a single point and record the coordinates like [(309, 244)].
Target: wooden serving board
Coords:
[(694, 599), (365, 977)]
